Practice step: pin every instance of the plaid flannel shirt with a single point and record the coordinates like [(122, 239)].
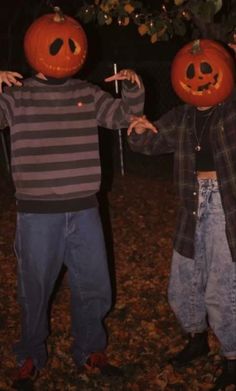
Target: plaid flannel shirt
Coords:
[(176, 135)]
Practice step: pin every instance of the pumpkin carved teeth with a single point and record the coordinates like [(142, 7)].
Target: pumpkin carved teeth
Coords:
[(204, 87), (208, 85)]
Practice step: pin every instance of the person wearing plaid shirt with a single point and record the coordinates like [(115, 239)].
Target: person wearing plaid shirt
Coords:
[(202, 285)]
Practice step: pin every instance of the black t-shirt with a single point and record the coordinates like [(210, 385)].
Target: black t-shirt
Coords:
[(203, 146)]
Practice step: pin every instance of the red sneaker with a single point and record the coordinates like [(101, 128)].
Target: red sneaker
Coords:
[(25, 376), (97, 364)]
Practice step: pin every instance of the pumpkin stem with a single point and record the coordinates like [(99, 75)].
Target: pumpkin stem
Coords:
[(196, 48), (58, 17)]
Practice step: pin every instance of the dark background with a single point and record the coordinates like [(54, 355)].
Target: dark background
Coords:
[(107, 45)]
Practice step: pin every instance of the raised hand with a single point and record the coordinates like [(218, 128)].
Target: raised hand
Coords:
[(10, 78), (140, 124), (125, 74)]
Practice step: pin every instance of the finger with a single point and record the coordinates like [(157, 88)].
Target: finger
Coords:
[(110, 78), (123, 72), (17, 74), (13, 80), (14, 74), (130, 129), (135, 117), (10, 78), (128, 75), (154, 129), (137, 81), (7, 82), (117, 76), (133, 77), (149, 125), (143, 123), (134, 125)]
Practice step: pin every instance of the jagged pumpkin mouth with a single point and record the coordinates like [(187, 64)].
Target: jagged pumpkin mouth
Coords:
[(208, 87)]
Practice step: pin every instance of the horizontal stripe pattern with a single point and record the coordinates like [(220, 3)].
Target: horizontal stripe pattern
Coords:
[(56, 166), (57, 182), (54, 135), (63, 173), (56, 141), (82, 156), (30, 135), (63, 192)]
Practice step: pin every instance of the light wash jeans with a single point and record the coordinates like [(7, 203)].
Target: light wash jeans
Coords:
[(43, 243), (203, 290)]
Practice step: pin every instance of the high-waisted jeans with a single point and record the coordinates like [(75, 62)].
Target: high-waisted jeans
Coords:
[(43, 243), (203, 290)]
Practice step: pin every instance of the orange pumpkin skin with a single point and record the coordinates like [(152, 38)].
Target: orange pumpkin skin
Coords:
[(55, 45), (203, 73)]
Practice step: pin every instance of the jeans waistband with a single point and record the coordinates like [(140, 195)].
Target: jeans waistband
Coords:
[(211, 184)]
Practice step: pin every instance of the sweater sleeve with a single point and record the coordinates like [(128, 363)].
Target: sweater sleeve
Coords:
[(163, 142), (114, 113), (3, 120)]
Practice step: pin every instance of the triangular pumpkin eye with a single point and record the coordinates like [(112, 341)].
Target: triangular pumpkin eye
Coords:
[(205, 68), (55, 46), (190, 72), (72, 45)]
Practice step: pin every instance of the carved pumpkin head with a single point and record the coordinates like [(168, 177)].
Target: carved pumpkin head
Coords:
[(56, 45), (202, 73)]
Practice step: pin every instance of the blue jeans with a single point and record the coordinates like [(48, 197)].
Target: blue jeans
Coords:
[(203, 289), (43, 243)]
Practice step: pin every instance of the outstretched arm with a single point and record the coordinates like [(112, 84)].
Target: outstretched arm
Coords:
[(154, 138), (10, 78), (115, 113)]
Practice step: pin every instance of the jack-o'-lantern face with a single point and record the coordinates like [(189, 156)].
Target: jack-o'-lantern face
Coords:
[(202, 73), (201, 78), (55, 45)]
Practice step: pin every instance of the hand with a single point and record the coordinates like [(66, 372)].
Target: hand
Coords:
[(125, 74), (140, 125), (10, 78)]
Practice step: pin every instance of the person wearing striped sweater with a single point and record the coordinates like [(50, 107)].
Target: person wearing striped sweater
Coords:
[(56, 172)]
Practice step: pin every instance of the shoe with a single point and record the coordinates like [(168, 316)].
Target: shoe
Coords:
[(25, 376), (97, 364), (227, 377), (196, 347)]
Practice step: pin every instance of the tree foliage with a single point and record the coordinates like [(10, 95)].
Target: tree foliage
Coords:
[(163, 20)]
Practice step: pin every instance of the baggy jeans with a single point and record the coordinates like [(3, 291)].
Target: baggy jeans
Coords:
[(43, 243), (203, 291)]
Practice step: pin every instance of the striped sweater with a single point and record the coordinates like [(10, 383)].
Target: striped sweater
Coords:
[(54, 137)]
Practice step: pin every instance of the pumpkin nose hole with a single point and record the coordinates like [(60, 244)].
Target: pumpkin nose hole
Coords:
[(55, 46)]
